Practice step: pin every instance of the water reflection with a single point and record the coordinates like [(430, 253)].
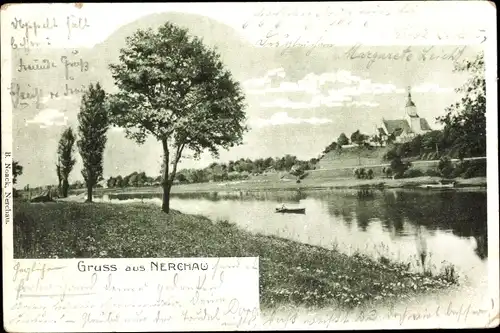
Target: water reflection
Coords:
[(417, 225)]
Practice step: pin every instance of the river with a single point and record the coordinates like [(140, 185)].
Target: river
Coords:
[(449, 226)]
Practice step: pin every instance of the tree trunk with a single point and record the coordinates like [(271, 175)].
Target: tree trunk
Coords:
[(65, 187), (89, 193), (165, 207)]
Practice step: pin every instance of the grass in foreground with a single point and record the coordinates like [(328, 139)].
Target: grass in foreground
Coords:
[(290, 272)]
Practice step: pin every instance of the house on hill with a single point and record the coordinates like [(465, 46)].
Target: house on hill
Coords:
[(406, 128)]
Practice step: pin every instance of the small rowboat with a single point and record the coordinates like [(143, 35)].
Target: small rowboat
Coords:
[(295, 210)]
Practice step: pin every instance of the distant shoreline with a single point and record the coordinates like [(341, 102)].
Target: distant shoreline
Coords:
[(249, 186)]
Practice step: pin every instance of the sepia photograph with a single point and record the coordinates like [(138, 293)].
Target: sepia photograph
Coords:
[(357, 174)]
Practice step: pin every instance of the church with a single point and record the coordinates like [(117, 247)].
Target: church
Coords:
[(406, 128)]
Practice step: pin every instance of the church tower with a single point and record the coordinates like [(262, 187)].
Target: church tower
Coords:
[(411, 109), (411, 114)]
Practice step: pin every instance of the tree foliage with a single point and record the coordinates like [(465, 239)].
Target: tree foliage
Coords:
[(173, 87), (331, 147), (359, 139), (233, 170), (66, 160), (378, 139), (398, 167), (342, 140), (465, 121), (93, 125), (17, 170)]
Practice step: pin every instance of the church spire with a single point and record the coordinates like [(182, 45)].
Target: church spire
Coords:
[(409, 102)]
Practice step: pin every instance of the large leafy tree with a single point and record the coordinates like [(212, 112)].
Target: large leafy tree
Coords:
[(66, 160), (465, 121), (92, 127), (173, 87)]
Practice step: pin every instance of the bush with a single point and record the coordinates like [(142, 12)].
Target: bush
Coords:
[(398, 167), (432, 172), (412, 173), (469, 173), (457, 172), (445, 167), (359, 173), (387, 172), (470, 169), (363, 173)]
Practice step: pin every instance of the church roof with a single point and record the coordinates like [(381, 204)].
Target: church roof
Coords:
[(424, 125), (397, 125), (410, 103)]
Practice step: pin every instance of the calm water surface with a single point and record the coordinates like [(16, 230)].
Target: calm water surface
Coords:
[(449, 225)]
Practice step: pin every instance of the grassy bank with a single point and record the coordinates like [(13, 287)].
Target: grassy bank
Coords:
[(290, 272)]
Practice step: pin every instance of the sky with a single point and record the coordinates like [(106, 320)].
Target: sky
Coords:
[(299, 98)]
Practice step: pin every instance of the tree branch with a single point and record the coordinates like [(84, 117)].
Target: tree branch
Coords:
[(178, 155)]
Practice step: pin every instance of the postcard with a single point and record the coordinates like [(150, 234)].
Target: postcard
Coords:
[(249, 166)]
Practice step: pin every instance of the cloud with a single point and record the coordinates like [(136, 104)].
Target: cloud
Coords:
[(282, 118), (431, 88), (49, 117), (330, 89), (363, 103), (316, 101), (310, 83), (257, 84)]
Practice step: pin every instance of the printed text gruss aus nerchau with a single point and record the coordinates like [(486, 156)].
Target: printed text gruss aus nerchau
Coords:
[(154, 266)]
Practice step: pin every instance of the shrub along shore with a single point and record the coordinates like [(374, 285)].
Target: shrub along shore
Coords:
[(290, 272)]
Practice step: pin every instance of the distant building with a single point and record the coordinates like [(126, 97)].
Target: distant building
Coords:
[(406, 128)]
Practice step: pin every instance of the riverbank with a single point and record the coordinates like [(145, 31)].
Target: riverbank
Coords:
[(313, 182), (290, 272)]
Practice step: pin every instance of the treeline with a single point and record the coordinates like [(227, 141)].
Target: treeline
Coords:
[(135, 179), (442, 145), (233, 170), (432, 146), (361, 140), (243, 168)]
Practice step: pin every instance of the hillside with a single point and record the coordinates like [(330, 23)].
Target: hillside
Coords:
[(352, 157)]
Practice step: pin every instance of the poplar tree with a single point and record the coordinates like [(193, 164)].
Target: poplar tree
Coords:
[(93, 125), (66, 160)]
